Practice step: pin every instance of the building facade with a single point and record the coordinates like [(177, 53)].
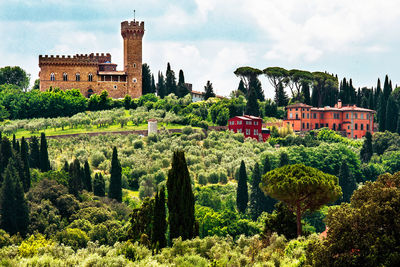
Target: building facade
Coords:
[(250, 126), (350, 120), (93, 73)]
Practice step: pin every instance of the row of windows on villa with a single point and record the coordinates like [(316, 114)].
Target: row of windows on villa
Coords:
[(334, 126), (65, 77), (248, 131), (335, 116), (240, 123)]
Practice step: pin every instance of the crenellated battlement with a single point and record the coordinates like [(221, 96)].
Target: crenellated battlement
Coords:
[(132, 29), (76, 59)]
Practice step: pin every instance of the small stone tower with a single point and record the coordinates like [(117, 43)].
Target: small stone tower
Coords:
[(132, 33)]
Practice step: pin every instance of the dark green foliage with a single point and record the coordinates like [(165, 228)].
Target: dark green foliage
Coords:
[(282, 221), (25, 161), (391, 115), (256, 85), (346, 182), (141, 222), (306, 93), (146, 79), (99, 185), (75, 183), (246, 74), (252, 107), (6, 153), (14, 75), (66, 166), (267, 165), (161, 90), (281, 98), (242, 195), (242, 89), (258, 201), (170, 81), (87, 177), (181, 89), (159, 225), (382, 104), (115, 189), (43, 154), (127, 101), (366, 150), (14, 209), (325, 89), (209, 91), (180, 199), (283, 159), (153, 85)]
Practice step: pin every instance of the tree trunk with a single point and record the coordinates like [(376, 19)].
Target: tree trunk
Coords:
[(298, 217)]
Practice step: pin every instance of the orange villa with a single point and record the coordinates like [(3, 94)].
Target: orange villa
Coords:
[(352, 121)]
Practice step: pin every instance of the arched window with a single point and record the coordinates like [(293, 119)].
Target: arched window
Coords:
[(90, 77), (52, 77), (65, 76), (134, 65), (77, 77)]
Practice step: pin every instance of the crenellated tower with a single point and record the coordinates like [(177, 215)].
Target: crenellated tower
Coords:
[(132, 33)]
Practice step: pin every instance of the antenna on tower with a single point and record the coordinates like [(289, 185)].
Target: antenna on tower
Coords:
[(134, 15)]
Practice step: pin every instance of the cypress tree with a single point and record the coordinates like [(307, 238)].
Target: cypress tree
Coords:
[(242, 88), (256, 85), (14, 143), (21, 209), (257, 198), (366, 150), (252, 107), (268, 202), (180, 199), (99, 185), (161, 91), (347, 182), (170, 80), (281, 98), (391, 115), (34, 153), (382, 112), (66, 166), (378, 92), (209, 91), (267, 165), (44, 155), (25, 161), (146, 79), (7, 202), (87, 178), (75, 179), (159, 226), (283, 159), (153, 84), (115, 189), (181, 90), (242, 195), (306, 93), (6, 153)]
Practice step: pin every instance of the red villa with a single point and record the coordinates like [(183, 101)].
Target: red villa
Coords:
[(250, 126)]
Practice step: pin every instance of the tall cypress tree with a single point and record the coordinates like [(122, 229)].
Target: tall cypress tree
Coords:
[(146, 79), (283, 159), (306, 93), (180, 199), (21, 209), (347, 182), (161, 90), (115, 189), (209, 91), (34, 153), (242, 88), (181, 90), (242, 195), (8, 220), (252, 107), (44, 155), (6, 153), (281, 98), (153, 84), (267, 165), (99, 185), (366, 150), (25, 161), (75, 178), (87, 178), (256, 85), (391, 115), (170, 80), (159, 225), (382, 112), (66, 166), (268, 202), (257, 197)]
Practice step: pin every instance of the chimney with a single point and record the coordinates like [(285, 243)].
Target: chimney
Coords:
[(339, 103)]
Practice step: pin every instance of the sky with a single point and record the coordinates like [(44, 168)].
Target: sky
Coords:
[(209, 39)]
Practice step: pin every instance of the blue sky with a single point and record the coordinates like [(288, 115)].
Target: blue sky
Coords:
[(209, 39)]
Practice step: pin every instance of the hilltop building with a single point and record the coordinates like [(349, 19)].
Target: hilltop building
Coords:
[(94, 73), (250, 126), (350, 120)]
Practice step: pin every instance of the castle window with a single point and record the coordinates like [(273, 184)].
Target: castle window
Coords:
[(90, 77), (134, 65), (78, 77), (52, 77), (115, 87), (65, 76), (134, 80)]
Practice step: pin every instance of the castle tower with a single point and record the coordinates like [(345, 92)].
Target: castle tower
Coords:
[(132, 33)]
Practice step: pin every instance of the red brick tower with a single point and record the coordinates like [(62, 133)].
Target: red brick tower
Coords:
[(132, 32)]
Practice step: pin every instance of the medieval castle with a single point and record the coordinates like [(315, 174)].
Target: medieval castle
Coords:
[(93, 73)]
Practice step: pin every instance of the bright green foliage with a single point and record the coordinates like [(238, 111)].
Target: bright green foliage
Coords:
[(366, 150), (99, 185), (25, 161), (242, 195), (87, 177), (115, 189), (364, 232), (346, 182), (302, 188), (159, 224), (14, 75), (31, 246), (73, 237), (43, 154), (180, 199), (209, 91), (252, 107)]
